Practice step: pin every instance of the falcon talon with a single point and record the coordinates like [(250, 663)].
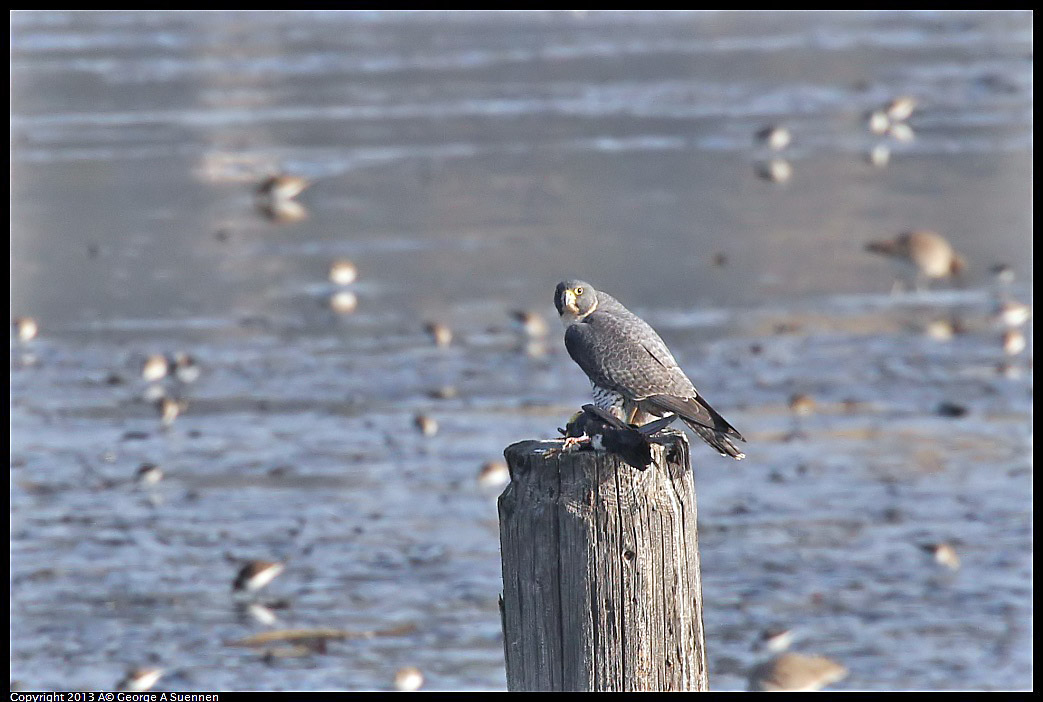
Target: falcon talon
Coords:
[(569, 444), (573, 443), (634, 377)]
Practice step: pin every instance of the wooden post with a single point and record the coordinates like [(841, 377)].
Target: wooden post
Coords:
[(601, 585)]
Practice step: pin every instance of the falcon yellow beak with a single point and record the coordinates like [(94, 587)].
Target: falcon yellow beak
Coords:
[(570, 300)]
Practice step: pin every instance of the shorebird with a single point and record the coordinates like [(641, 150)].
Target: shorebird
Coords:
[(343, 272), (494, 474), (155, 368), (877, 122), (943, 554), (1012, 313), (140, 679), (169, 409), (928, 253), (275, 197), (444, 392), (631, 370), (427, 426), (149, 474), (893, 114), (795, 672), (532, 324), (900, 131), (533, 330), (408, 679), (254, 575), (440, 334), (774, 640), (26, 328), (774, 137), (901, 108), (1003, 273), (282, 186), (1013, 342), (186, 370), (941, 329)]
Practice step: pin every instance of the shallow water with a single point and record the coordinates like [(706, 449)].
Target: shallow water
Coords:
[(466, 163)]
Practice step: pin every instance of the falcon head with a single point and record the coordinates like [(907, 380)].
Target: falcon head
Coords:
[(574, 300)]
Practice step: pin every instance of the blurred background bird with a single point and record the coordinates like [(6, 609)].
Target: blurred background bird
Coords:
[(927, 254)]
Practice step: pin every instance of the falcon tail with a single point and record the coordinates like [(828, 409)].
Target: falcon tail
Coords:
[(717, 440), (705, 421)]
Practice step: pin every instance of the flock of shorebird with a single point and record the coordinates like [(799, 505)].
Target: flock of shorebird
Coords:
[(888, 123), (924, 255), (167, 376)]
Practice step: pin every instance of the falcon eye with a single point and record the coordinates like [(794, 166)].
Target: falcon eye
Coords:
[(579, 291)]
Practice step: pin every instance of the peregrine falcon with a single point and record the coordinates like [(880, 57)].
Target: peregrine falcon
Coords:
[(632, 372)]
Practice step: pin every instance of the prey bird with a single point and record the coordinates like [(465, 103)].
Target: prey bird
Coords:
[(606, 432)]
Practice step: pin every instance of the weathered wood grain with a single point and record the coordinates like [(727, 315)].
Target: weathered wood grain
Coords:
[(601, 585)]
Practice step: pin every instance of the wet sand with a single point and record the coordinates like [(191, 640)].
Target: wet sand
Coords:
[(466, 163)]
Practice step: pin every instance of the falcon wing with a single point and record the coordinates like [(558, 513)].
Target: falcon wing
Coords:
[(625, 355), (696, 409)]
